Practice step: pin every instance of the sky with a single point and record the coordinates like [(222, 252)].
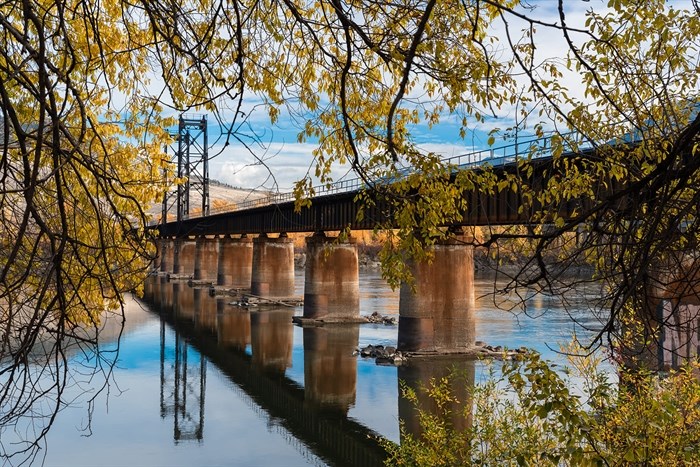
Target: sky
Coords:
[(289, 160)]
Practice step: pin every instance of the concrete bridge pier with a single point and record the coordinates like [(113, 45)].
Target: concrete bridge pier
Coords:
[(167, 255), (665, 333), (439, 316), (155, 265), (273, 267), (206, 257), (332, 285), (184, 256), (235, 265), (177, 244)]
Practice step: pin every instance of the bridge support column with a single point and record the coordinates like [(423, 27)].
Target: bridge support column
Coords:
[(235, 262), (155, 266), (167, 255), (665, 332), (332, 285), (439, 316), (177, 244), (273, 267), (206, 257), (184, 253)]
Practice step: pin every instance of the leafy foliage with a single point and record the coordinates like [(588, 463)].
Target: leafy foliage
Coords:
[(527, 414), (82, 135), (76, 173)]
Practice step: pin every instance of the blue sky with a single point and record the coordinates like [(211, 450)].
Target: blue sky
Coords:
[(289, 160)]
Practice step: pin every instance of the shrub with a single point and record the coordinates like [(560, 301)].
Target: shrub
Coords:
[(530, 414)]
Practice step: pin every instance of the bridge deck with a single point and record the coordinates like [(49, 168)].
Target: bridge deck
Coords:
[(336, 209)]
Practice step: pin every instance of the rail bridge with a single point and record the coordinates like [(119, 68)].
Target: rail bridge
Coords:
[(334, 206), (249, 248)]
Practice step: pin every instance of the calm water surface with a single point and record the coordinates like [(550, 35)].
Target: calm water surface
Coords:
[(200, 382)]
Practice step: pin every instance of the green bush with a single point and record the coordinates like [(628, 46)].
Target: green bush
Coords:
[(528, 414)]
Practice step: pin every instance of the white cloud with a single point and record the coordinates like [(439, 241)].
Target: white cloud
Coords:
[(275, 168), (446, 149)]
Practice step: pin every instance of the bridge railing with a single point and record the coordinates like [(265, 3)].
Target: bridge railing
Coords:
[(534, 148), (495, 157)]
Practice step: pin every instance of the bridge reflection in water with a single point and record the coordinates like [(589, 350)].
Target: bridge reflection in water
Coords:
[(330, 368), (183, 375), (417, 376), (254, 349)]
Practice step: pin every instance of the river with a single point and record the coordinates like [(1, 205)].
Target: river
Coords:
[(201, 382)]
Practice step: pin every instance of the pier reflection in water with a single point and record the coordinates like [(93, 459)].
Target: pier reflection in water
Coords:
[(271, 336), (254, 350), (418, 375), (330, 372), (233, 327), (330, 366), (207, 383)]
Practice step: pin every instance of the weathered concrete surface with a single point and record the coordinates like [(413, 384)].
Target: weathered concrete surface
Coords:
[(330, 368), (185, 252), (668, 326), (167, 255), (439, 316), (235, 265), (332, 285), (273, 267), (157, 259), (680, 334), (206, 259)]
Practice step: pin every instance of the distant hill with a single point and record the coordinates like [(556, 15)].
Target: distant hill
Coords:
[(222, 197)]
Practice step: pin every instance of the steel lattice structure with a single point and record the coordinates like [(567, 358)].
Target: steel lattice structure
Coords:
[(190, 153)]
